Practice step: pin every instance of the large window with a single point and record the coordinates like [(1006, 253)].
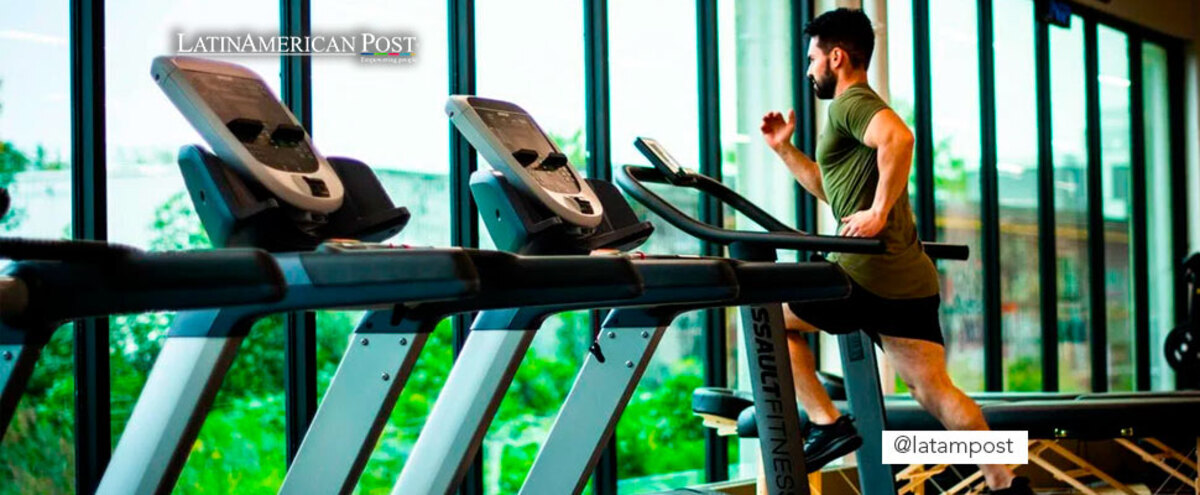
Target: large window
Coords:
[(35, 153), (755, 66), (1115, 161), (755, 51), (956, 158), (241, 445), (652, 64), (1162, 263), (1068, 94), (1016, 164), (547, 79), (390, 117), (896, 30), (827, 224)]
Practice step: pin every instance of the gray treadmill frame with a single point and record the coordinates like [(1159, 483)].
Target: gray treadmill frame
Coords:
[(602, 390), (479, 380), (494, 350), (195, 358), (358, 402), (20, 349), (598, 397)]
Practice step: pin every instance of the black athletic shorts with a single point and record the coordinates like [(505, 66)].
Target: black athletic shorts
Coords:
[(863, 310)]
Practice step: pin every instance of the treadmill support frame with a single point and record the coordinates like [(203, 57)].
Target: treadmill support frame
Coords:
[(589, 415), (19, 352), (781, 441), (486, 367), (356, 406)]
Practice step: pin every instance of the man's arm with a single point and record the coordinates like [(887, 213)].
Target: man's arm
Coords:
[(806, 171), (778, 135), (893, 143)]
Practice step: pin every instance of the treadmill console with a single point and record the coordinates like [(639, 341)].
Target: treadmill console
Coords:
[(512, 142), (663, 161), (250, 129)]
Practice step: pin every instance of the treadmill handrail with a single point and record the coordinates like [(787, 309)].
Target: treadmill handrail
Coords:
[(21, 249), (944, 251), (779, 236), (102, 281)]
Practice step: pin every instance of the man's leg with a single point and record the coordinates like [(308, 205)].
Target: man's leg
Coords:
[(812, 395), (922, 365)]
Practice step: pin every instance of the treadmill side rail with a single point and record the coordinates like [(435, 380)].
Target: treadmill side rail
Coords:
[(170, 411), (590, 413), (865, 396), (465, 406), (355, 408), (18, 356)]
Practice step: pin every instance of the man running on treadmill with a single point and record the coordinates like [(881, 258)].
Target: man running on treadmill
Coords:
[(864, 157)]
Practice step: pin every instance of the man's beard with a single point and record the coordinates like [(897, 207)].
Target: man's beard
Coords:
[(826, 86)]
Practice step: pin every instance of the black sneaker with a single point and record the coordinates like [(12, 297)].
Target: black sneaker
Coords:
[(824, 443), (1019, 486)]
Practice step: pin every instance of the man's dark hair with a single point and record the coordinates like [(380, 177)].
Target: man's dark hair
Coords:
[(848, 29)]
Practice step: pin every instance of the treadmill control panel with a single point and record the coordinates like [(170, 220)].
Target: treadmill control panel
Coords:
[(513, 143), (250, 129), (532, 149), (260, 124)]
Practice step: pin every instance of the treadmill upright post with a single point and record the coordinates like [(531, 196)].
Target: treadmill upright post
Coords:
[(468, 402), (356, 406), (865, 395), (601, 391), (169, 412), (19, 351), (201, 347), (780, 440)]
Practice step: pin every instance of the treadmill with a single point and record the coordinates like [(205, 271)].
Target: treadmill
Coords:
[(349, 421), (268, 187), (534, 200), (858, 358), (49, 283), (513, 303)]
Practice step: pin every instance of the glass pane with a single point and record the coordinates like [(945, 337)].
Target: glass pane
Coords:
[(1068, 99), (555, 97), (35, 120), (1162, 262), (826, 223), (897, 32), (659, 444), (1116, 156), (390, 117), (241, 445), (38, 453), (752, 37), (1016, 163), (953, 56)]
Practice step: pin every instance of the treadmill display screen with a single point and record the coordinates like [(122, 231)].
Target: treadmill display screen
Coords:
[(667, 160), (238, 100), (517, 131)]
